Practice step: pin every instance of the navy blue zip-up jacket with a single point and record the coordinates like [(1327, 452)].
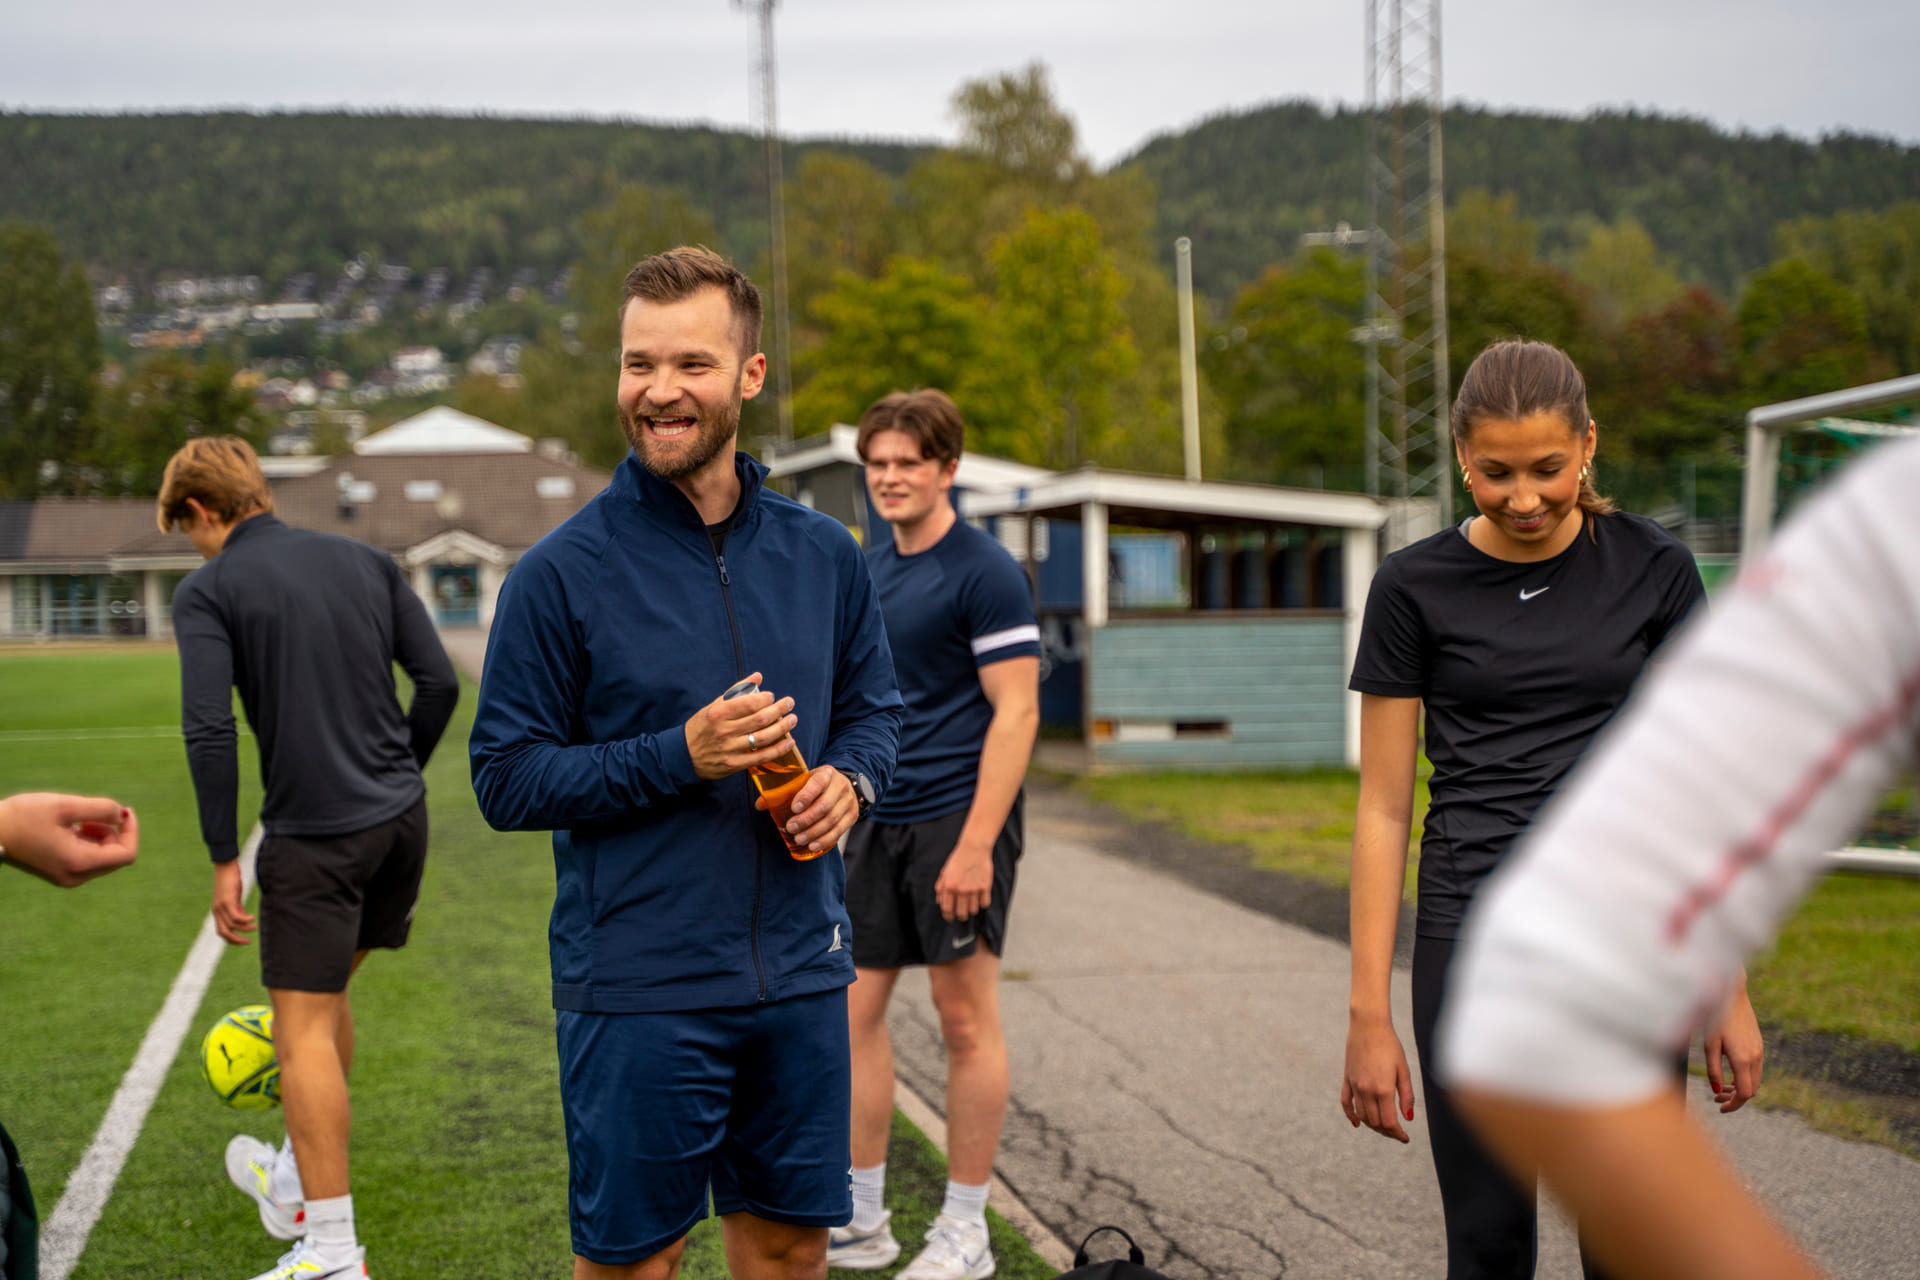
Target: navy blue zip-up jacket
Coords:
[(673, 892)]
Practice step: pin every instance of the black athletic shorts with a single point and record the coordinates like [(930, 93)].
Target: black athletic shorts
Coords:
[(323, 898), (891, 870)]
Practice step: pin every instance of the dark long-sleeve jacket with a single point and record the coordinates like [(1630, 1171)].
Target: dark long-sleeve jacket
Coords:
[(674, 892), (307, 626)]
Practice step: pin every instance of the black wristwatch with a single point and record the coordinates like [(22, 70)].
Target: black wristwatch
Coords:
[(863, 794)]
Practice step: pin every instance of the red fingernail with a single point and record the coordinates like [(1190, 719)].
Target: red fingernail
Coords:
[(1356, 1124), (1409, 1113)]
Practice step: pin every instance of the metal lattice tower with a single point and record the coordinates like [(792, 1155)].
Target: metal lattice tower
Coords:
[(1408, 451), (767, 118)]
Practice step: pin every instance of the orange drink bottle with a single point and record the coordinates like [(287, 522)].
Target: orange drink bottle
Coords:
[(779, 781)]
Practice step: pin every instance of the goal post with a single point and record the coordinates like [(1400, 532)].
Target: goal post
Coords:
[(1767, 427), (1769, 423)]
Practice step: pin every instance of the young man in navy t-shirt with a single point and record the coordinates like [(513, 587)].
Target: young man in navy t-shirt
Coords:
[(930, 872)]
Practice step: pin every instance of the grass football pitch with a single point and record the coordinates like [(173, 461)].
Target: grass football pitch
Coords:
[(459, 1162)]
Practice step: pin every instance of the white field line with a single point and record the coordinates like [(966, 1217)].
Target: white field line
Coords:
[(65, 1235), (91, 735)]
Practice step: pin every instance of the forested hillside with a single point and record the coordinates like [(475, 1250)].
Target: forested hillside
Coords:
[(1246, 186), (305, 277), (274, 194)]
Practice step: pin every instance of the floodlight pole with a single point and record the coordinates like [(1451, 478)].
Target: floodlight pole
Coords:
[(1189, 373), (776, 220), (1406, 288)]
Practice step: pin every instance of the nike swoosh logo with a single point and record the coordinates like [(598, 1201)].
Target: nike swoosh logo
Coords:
[(1528, 595), (961, 942)]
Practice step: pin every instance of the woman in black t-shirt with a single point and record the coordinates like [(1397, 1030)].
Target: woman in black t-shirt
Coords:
[(1521, 630)]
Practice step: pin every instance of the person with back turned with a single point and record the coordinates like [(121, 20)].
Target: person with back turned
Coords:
[(308, 627)]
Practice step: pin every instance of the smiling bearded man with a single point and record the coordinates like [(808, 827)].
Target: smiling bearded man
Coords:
[(648, 426), (700, 971)]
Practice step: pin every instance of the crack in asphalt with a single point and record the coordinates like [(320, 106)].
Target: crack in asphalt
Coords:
[(1166, 1117), (1068, 1188), (1266, 1175)]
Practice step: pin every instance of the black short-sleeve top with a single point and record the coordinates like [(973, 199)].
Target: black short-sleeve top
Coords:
[(1519, 665)]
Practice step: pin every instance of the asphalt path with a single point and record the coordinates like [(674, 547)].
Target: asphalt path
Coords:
[(1176, 1039), (1176, 1070)]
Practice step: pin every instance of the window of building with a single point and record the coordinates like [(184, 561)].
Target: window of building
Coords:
[(29, 605), (75, 603)]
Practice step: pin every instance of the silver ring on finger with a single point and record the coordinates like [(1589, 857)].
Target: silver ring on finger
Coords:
[(751, 744)]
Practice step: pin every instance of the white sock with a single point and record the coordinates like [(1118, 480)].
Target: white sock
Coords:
[(969, 1204), (330, 1227), (285, 1183), (869, 1195)]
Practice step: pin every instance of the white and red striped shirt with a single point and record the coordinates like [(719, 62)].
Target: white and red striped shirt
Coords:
[(1617, 927)]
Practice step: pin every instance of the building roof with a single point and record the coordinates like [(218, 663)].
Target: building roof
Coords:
[(443, 430), (979, 472), (397, 501), (505, 502), (1156, 501), (53, 532)]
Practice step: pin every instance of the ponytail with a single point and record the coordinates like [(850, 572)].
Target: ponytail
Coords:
[(1515, 379)]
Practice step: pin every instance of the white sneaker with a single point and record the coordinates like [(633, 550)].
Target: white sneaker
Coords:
[(302, 1262), (955, 1250), (250, 1167), (850, 1249)]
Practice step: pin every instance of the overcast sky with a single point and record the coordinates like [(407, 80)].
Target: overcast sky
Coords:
[(1126, 69)]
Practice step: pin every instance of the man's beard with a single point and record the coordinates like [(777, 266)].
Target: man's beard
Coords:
[(711, 435)]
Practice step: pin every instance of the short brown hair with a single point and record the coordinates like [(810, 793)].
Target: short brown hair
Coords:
[(928, 415), (680, 273), (223, 472), (1514, 379)]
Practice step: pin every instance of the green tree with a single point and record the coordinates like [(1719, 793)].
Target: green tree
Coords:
[(1019, 149), (1059, 310), (915, 326), (1671, 389), (842, 217), (1490, 298), (1019, 152), (1875, 257), (483, 396), (1290, 375), (1012, 121), (569, 375), (1489, 229), (1802, 333), (160, 405), (49, 354), (1623, 272)]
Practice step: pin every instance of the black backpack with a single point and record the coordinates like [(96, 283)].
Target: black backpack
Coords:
[(1132, 1267)]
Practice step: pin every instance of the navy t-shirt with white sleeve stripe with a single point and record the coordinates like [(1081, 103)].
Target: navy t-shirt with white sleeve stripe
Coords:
[(960, 605)]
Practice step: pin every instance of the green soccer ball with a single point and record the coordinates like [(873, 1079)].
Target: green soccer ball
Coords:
[(237, 1059)]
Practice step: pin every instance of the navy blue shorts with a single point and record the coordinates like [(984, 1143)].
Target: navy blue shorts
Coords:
[(751, 1103)]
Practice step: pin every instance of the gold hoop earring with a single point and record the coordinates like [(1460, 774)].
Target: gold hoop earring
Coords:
[(1466, 479), (1586, 474)]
